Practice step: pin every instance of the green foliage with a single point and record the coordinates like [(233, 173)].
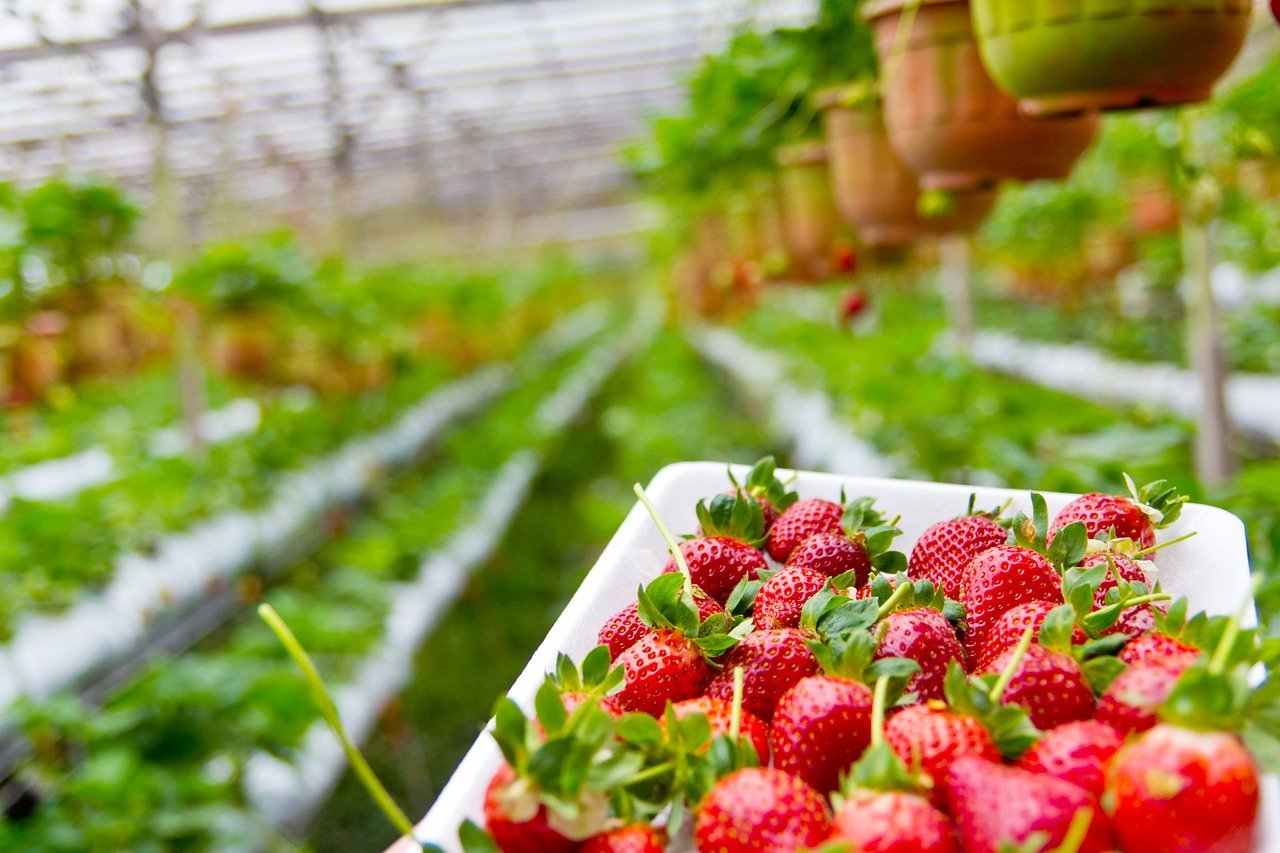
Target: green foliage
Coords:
[(74, 225), (270, 271)]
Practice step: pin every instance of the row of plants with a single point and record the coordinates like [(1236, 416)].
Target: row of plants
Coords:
[(902, 118), (663, 407), (161, 766), (53, 553), (79, 299), (941, 418)]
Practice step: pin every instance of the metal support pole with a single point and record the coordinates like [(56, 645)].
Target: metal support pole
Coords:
[(953, 280), (1214, 462)]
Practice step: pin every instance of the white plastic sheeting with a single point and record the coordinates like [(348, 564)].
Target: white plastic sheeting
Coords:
[(804, 418), (50, 652), (288, 793), (1253, 400)]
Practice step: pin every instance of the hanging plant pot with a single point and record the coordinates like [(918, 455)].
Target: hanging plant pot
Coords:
[(242, 345), (875, 192), (1072, 56), (1153, 208), (809, 212), (1258, 178), (946, 118), (771, 229), (1108, 249)]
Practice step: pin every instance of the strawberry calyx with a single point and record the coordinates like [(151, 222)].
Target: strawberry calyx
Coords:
[(978, 696), (867, 526), (665, 603), (1069, 545), (880, 768), (899, 592), (997, 515), (568, 763), (737, 516), (1159, 501), (762, 482)]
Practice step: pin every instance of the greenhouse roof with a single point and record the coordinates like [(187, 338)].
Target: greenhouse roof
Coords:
[(478, 105)]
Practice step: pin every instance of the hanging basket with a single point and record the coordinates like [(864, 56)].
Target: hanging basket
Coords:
[(809, 213), (946, 118), (1072, 56), (771, 229), (875, 192)]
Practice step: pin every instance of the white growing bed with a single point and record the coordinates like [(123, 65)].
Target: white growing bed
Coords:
[(1211, 569)]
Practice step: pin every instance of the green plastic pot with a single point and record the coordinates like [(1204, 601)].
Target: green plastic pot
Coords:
[(1060, 57)]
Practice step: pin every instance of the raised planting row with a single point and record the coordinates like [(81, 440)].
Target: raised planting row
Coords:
[(940, 418), (790, 681), (661, 406), (179, 741), (267, 507)]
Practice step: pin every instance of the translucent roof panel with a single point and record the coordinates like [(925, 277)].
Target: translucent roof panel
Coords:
[(459, 106)]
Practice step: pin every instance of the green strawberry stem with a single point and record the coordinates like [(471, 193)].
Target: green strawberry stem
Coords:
[(735, 715), (1019, 652), (329, 712), (649, 773), (672, 545), (1183, 538), (1222, 654), (879, 698), (1127, 603), (891, 603), (1076, 832)]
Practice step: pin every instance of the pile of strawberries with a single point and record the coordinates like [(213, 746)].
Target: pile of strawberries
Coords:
[(792, 683)]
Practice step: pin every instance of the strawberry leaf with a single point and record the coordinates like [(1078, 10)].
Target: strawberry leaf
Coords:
[(1099, 672), (1162, 498), (1058, 626), (550, 707), (736, 516), (511, 731), (763, 482), (1069, 546), (880, 769), (475, 840), (742, 599)]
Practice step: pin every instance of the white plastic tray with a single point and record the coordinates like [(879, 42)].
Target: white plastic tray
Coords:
[(1211, 569)]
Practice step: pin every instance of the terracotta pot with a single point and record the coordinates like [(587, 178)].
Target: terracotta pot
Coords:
[(98, 342), (946, 118), (1071, 56), (38, 357), (1153, 208), (1259, 178), (875, 192), (1107, 251), (809, 211), (242, 345), (771, 230)]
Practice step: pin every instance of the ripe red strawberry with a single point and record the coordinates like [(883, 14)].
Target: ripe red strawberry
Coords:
[(531, 835), (761, 809), (943, 550), (1010, 627), (625, 628), (1075, 752), (783, 596), (821, 727), (1048, 684), (1275, 10), (1000, 579), (1135, 620), (930, 737), (1178, 789), (833, 554), (720, 715), (1135, 517), (718, 563), (632, 838), (892, 822), (665, 666), (924, 635), (1157, 647), (772, 661), (800, 521), (1129, 704), (994, 805)]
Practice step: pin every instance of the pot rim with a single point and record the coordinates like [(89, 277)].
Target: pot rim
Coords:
[(881, 8)]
